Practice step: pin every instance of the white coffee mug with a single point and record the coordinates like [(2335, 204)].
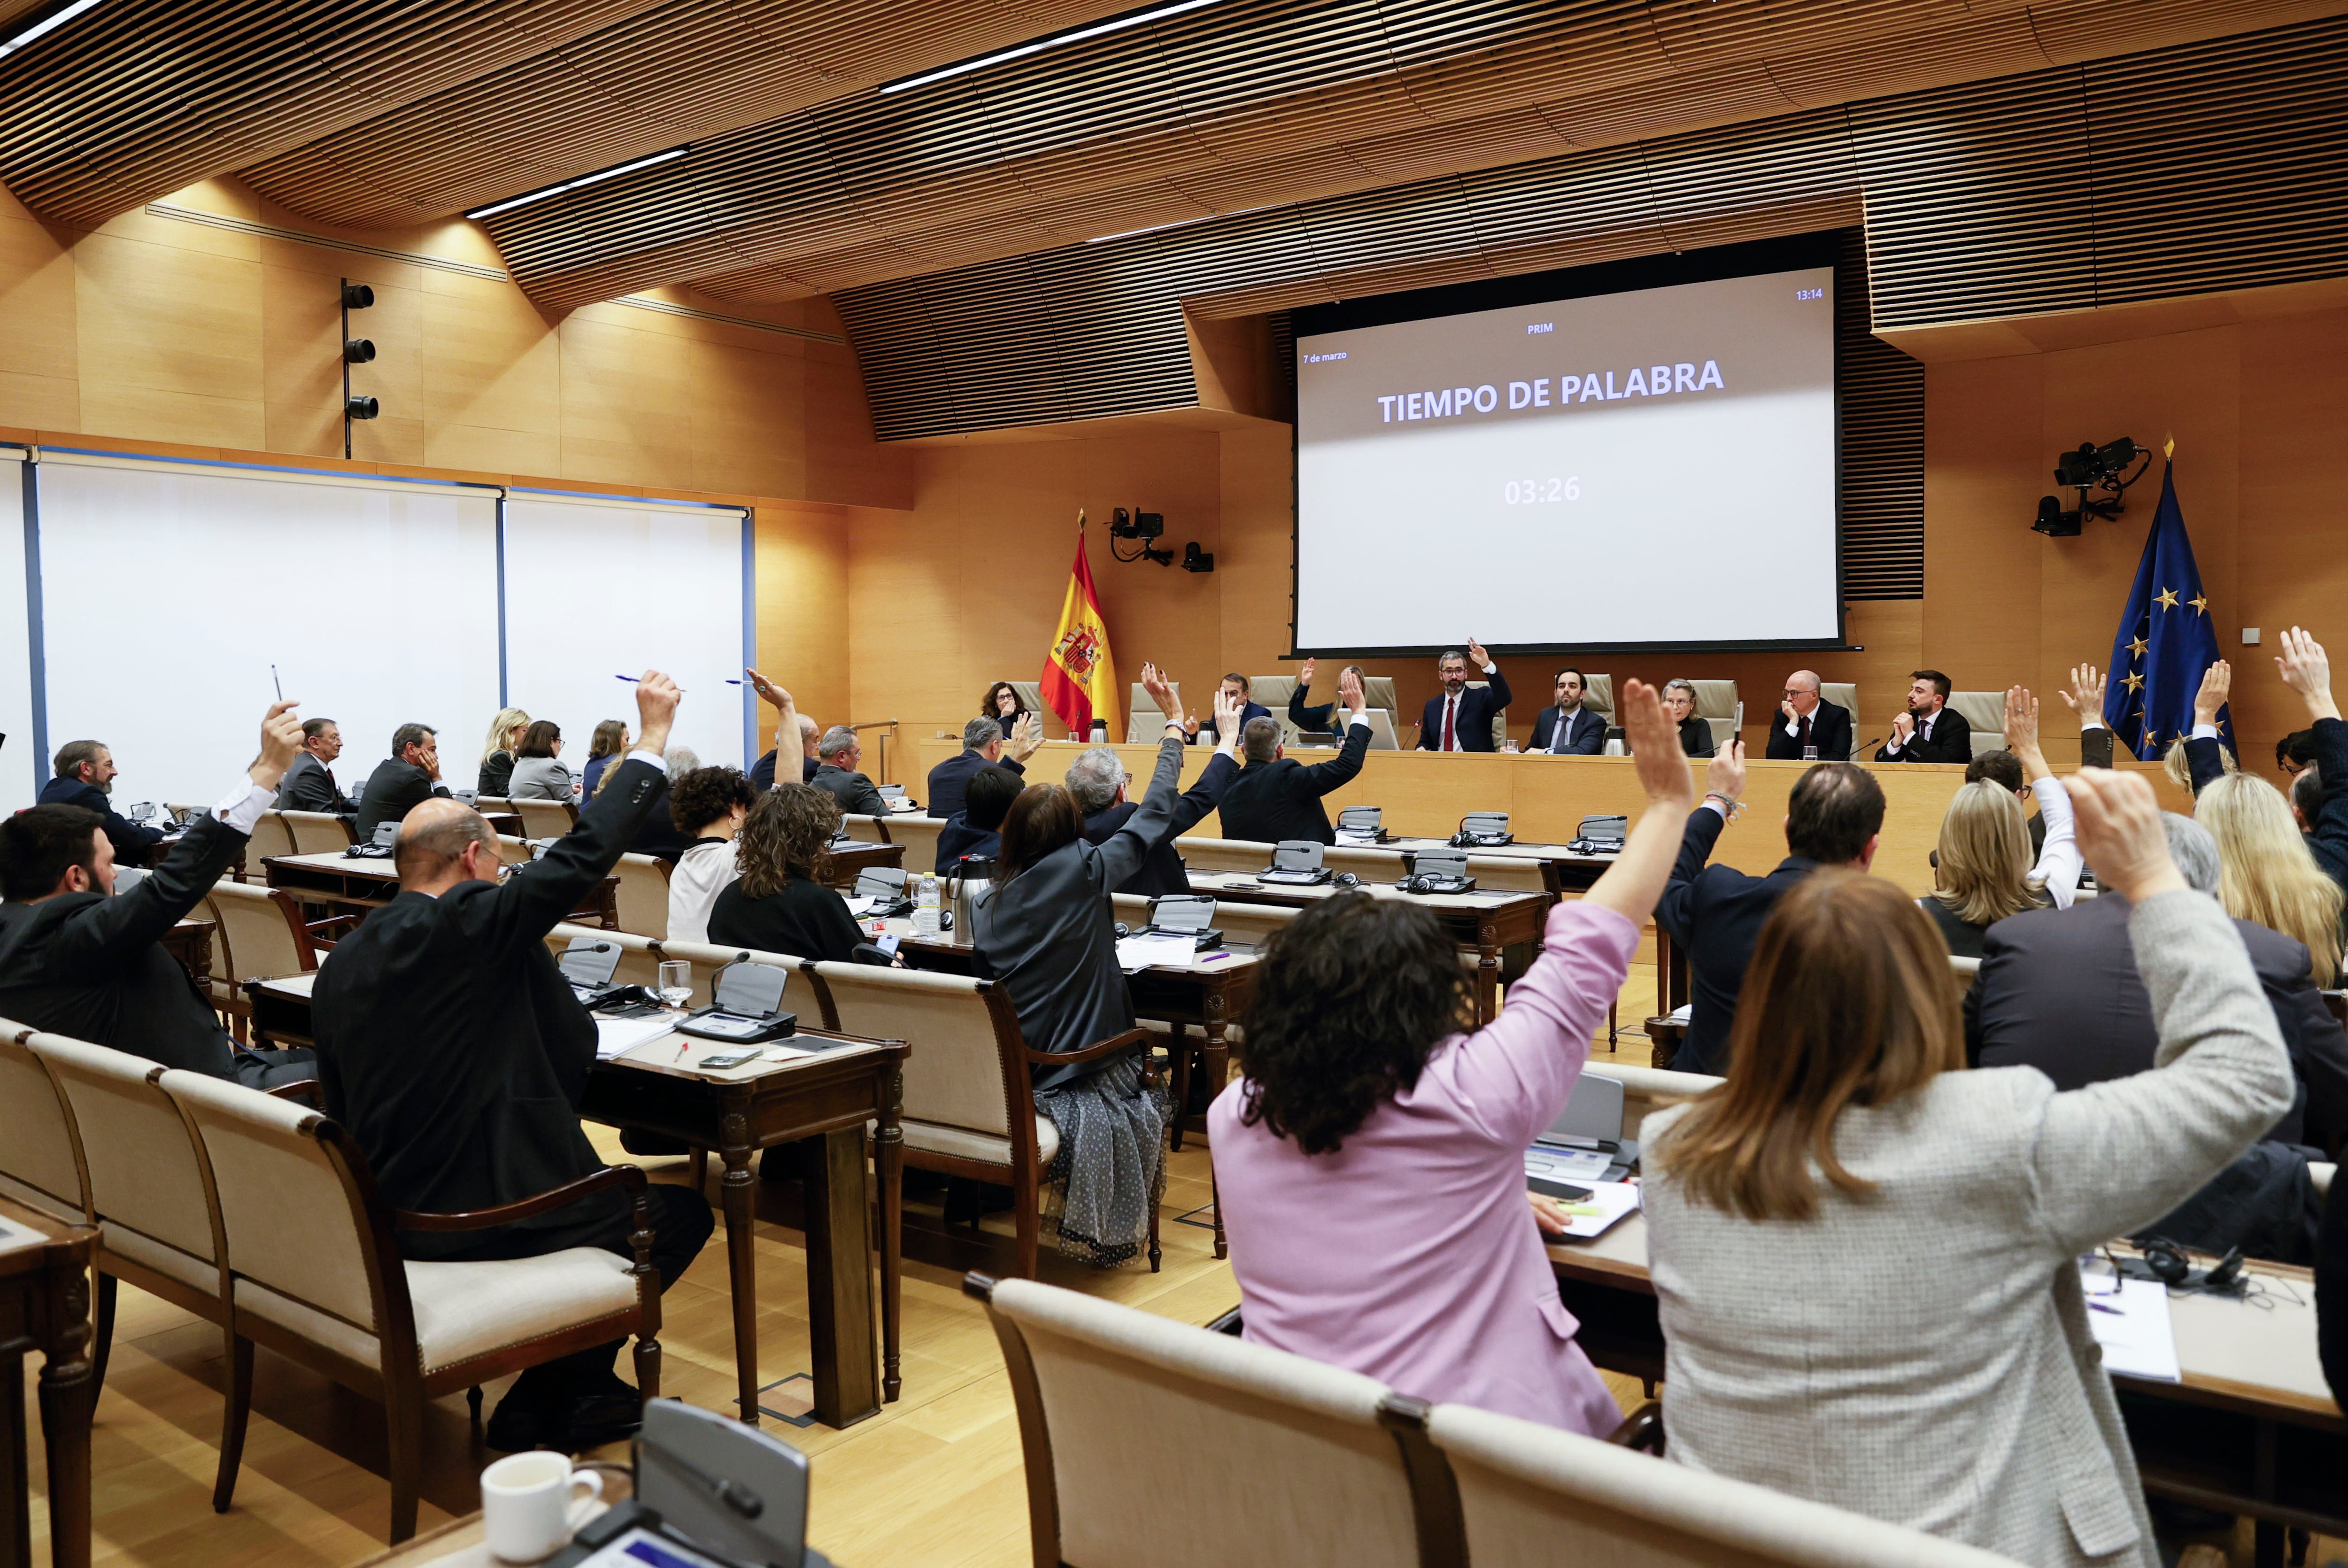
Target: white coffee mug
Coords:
[(530, 1504)]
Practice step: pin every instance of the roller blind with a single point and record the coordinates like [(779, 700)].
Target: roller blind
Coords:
[(21, 764)]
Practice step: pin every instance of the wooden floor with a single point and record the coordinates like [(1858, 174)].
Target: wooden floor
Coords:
[(935, 1479)]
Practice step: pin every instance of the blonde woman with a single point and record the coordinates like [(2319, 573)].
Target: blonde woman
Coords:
[(1982, 870), (2265, 874), (609, 744), (498, 752)]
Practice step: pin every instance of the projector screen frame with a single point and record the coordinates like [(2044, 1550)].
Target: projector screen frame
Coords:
[(1822, 248)]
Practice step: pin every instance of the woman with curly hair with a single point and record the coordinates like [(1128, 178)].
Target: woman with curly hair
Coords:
[(1001, 705), (1370, 1166), (783, 901), (710, 804)]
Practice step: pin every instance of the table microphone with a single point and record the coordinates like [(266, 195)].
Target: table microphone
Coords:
[(1864, 746)]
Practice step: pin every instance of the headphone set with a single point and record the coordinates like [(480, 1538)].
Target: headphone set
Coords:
[(2166, 1262)]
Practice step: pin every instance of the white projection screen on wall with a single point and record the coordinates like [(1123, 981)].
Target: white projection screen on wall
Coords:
[(1648, 467)]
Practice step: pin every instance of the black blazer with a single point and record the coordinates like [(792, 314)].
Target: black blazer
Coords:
[(1211, 733), (2058, 990), (950, 778), (1829, 732), (1279, 799), (450, 1044), (854, 792), (394, 789), (2332, 1298), (85, 964), (1715, 912), (132, 840), (496, 777), (1318, 719), (1585, 732), (308, 787), (1473, 722), (1953, 741), (958, 839), (1163, 872), (806, 920)]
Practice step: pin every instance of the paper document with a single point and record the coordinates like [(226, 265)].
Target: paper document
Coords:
[(13, 1235), (615, 1037), (1556, 1164), (2131, 1325), (1682, 1013), (1607, 1202), (1137, 953)]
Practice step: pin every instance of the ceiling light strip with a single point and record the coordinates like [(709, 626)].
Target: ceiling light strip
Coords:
[(1073, 36), (38, 28), (527, 197), (270, 231)]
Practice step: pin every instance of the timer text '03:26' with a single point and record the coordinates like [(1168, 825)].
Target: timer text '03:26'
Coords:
[(1542, 492)]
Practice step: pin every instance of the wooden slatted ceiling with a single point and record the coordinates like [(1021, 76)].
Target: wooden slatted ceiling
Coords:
[(1247, 103), (2199, 168), (137, 98)]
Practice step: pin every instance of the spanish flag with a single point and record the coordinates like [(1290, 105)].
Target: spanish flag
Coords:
[(1079, 677)]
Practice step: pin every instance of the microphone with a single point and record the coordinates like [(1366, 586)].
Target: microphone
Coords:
[(1863, 746)]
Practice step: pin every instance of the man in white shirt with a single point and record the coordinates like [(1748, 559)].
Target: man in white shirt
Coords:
[(1928, 730), (1461, 718)]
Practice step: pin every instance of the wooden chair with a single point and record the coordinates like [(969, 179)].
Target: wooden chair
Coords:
[(969, 1097), (260, 936), (317, 832), (333, 1293), (640, 956), (544, 819), (1309, 1464), (866, 829), (270, 836), (644, 894), (40, 1162), (1529, 1494), (1252, 924)]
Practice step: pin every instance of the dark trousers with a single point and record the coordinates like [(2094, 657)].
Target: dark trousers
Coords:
[(269, 1069), (682, 1222)]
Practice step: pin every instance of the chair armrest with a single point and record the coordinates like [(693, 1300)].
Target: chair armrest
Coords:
[(631, 1176), (304, 1089), (1641, 1428), (1092, 1053)]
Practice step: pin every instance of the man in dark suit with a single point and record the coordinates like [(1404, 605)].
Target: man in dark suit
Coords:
[(1715, 912), (1274, 795), (1806, 720), (838, 778), (308, 786), (456, 1055), (1096, 780), (982, 746), (1566, 728), (1928, 729), (1461, 720), (2058, 990), (1236, 688), (403, 781), (792, 727), (976, 831), (76, 960), (85, 778)]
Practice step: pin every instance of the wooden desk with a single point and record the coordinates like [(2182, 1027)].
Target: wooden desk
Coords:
[(191, 942), (822, 1102), (2252, 1428), (333, 878), (280, 1010), (1484, 923), (45, 1306), (848, 859), (1426, 793)]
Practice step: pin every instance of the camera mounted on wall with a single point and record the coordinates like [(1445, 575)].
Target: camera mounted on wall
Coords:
[(2109, 469), (1147, 527)]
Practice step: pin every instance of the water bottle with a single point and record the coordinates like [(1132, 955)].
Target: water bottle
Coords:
[(926, 926)]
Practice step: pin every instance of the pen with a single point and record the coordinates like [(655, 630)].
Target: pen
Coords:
[(2094, 1306), (1213, 957), (730, 679)]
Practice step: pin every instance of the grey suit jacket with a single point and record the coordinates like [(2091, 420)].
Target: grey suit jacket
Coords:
[(1922, 1355), (1048, 934)]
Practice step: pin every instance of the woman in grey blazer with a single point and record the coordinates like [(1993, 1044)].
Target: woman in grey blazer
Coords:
[(537, 774), (1865, 1260), (1044, 930)]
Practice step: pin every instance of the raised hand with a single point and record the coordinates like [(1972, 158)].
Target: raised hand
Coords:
[(1304, 676), (768, 689), (1026, 736), (2085, 695), (2021, 720), (1655, 747), (1153, 681), (281, 742), (2217, 684), (1349, 692), (2120, 834), (1725, 774), (1228, 705), (2307, 671), (1476, 654), (656, 700)]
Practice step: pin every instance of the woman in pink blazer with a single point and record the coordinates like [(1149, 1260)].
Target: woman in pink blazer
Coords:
[(1370, 1167)]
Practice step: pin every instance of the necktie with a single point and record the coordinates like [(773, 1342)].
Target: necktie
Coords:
[(1806, 732), (1449, 705), (1564, 726)]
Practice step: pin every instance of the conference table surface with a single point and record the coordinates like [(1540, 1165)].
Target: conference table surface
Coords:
[(1424, 794)]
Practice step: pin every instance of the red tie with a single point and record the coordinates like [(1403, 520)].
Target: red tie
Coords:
[(1449, 704)]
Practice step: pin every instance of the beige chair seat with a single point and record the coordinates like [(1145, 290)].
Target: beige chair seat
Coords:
[(464, 1310), (964, 1144), (202, 1274)]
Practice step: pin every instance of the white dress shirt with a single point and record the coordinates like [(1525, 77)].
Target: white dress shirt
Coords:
[(1449, 722)]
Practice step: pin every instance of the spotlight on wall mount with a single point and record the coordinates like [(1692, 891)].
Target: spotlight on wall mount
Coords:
[(1197, 560), (356, 296), (355, 351), (359, 351), (358, 408)]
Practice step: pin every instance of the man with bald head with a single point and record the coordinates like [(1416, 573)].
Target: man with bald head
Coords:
[(1808, 726), (788, 722), (458, 1055)]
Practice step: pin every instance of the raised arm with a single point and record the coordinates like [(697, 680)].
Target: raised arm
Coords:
[(2117, 1155), (1327, 777), (1634, 884), (1502, 695), (2084, 697), (2058, 866), (786, 718), (1724, 786), (1130, 845)]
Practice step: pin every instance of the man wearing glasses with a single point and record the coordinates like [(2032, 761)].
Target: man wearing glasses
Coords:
[(1808, 728)]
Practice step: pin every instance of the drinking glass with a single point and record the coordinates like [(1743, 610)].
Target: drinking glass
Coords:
[(676, 982)]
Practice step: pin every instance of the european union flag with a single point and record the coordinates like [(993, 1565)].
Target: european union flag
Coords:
[(2166, 641)]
